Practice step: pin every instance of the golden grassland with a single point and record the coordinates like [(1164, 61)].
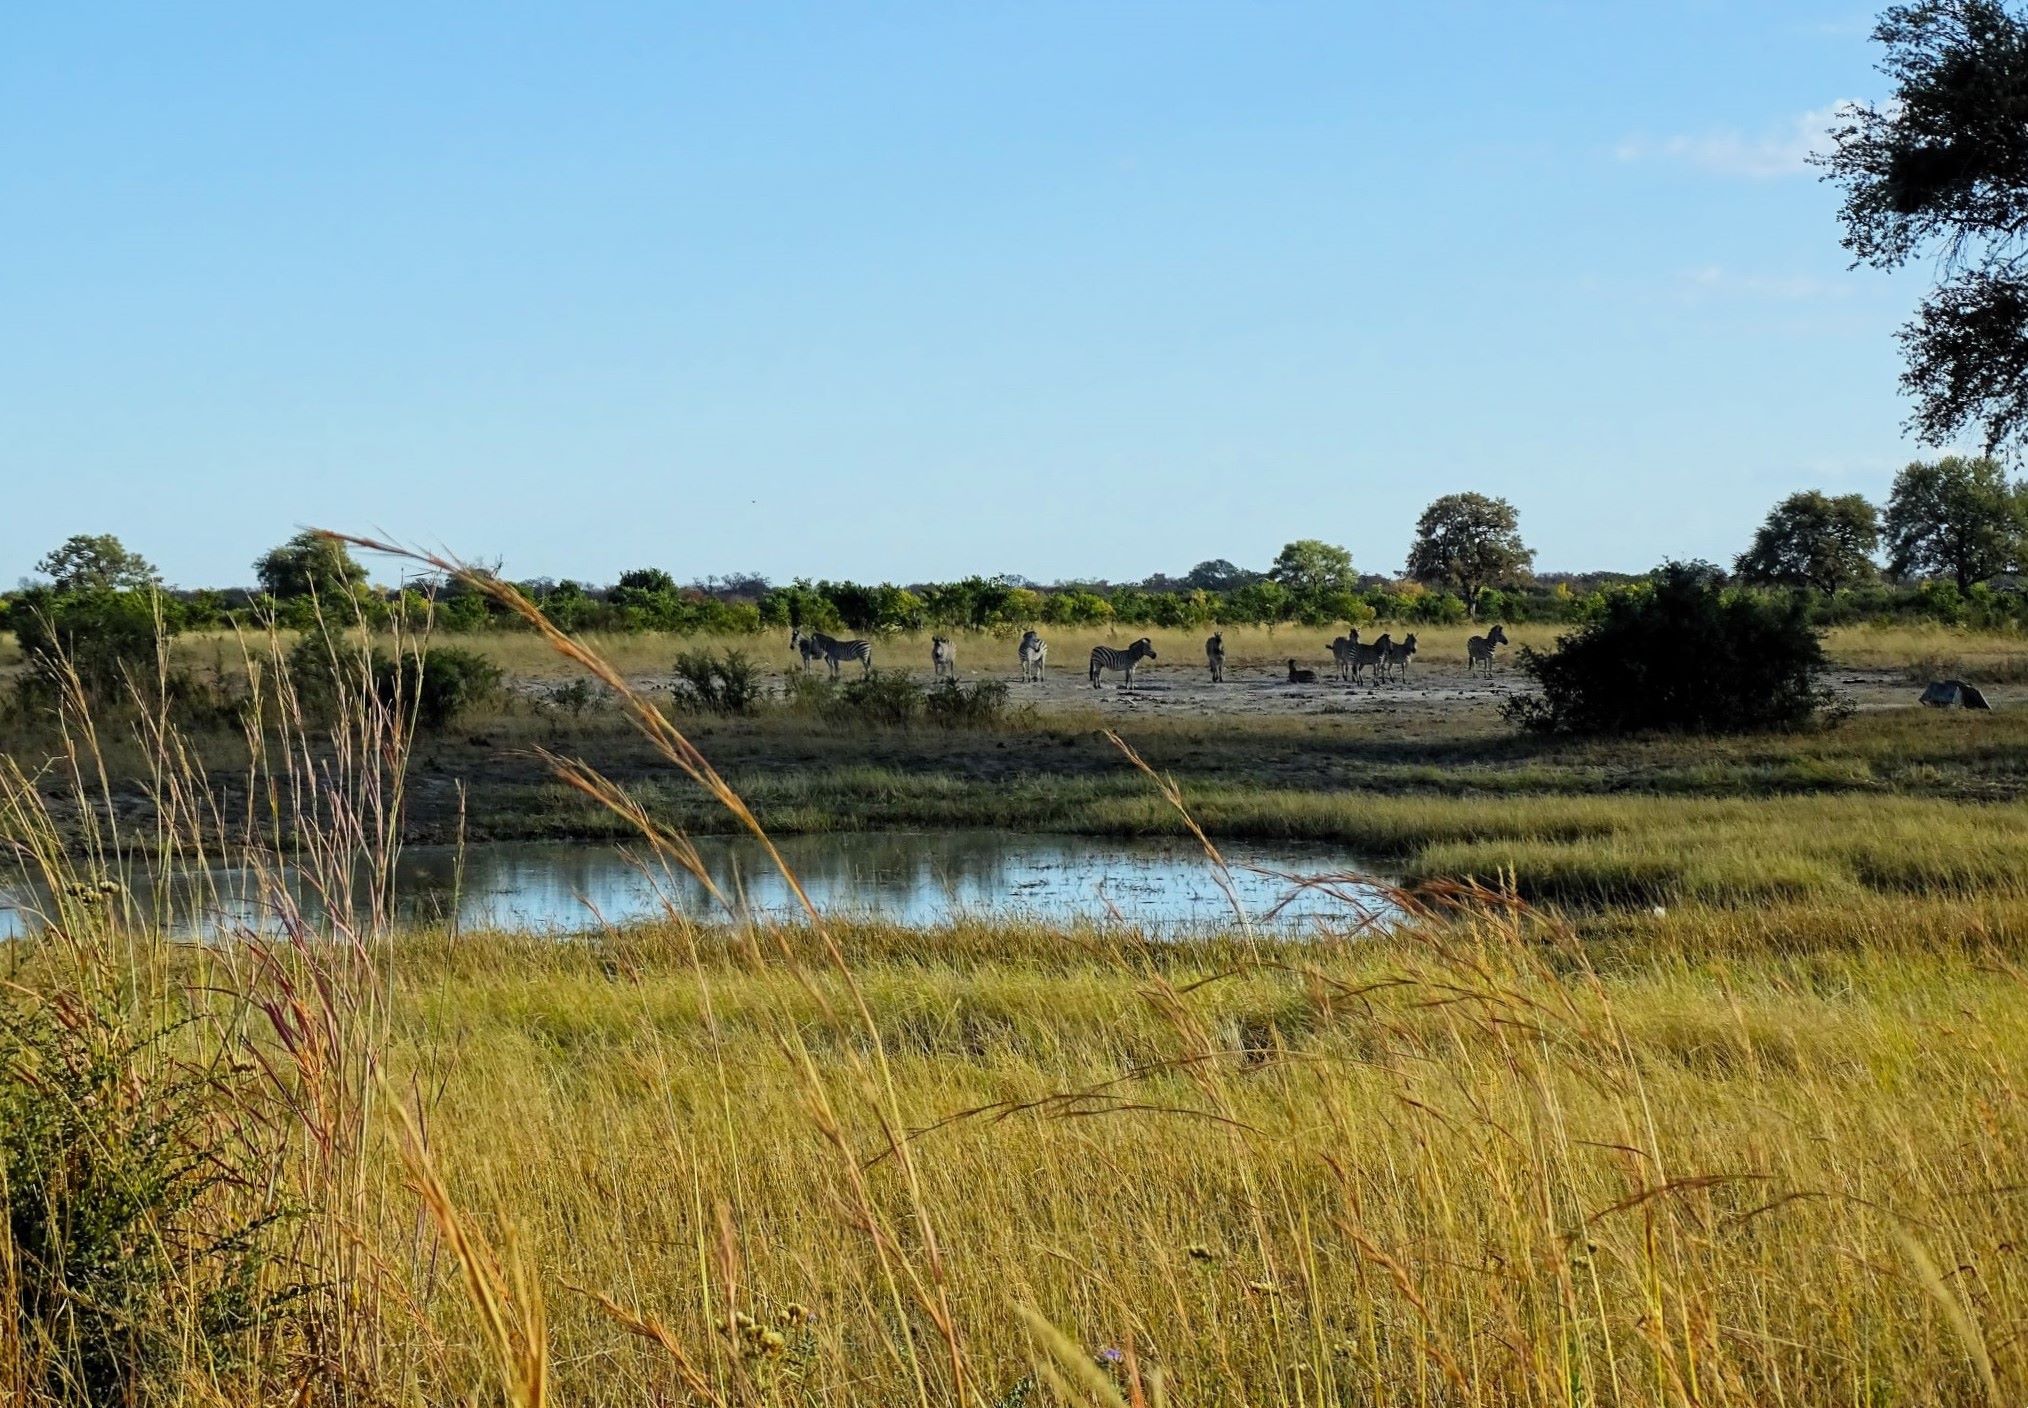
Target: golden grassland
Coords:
[(1711, 1158), (1736, 1119)]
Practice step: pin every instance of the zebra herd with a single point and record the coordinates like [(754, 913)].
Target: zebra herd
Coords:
[(1386, 657)]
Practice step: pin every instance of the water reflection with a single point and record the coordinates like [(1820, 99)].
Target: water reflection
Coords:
[(907, 877)]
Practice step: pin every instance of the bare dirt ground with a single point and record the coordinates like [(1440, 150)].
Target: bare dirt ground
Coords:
[(1435, 689)]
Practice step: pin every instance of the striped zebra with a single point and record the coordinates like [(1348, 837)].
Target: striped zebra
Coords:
[(1479, 650), (943, 657), (1034, 655), (1104, 657), (1343, 649), (815, 645), (1374, 655), (1397, 657), (1214, 655)]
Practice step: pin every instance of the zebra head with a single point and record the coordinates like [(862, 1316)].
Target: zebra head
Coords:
[(1144, 647), (1497, 636)]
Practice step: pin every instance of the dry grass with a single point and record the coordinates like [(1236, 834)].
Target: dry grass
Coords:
[(1711, 1157), (1442, 1170), (1933, 652)]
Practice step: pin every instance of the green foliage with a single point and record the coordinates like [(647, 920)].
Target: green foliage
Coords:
[(1468, 542), (97, 562), (1681, 654), (108, 636), (1814, 540), (978, 705), (719, 682), (438, 683), (136, 1246), (883, 697), (1944, 165), (1957, 518), (886, 699), (310, 565), (433, 684), (1310, 568)]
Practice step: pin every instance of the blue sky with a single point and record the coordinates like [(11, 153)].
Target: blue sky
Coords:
[(905, 291)]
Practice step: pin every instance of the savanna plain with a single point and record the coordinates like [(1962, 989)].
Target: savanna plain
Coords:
[(1680, 1071)]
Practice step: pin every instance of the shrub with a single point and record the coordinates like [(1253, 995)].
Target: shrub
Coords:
[(1680, 654), (133, 1241), (106, 635), (434, 685), (722, 682), (438, 684), (979, 705), (880, 698)]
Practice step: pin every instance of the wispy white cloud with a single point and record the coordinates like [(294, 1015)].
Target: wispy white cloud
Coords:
[(1782, 150), (1716, 280)]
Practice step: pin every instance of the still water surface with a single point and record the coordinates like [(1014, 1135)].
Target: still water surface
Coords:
[(918, 878)]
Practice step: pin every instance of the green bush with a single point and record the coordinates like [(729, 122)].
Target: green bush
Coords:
[(438, 683), (978, 705), (1680, 654), (134, 1241), (721, 682), (107, 635), (434, 685), (882, 697)]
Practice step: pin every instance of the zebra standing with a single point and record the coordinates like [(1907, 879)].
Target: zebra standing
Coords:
[(1374, 655), (1104, 657), (1479, 650), (1397, 657), (1034, 654), (943, 658), (815, 645), (1343, 650), (1214, 655)]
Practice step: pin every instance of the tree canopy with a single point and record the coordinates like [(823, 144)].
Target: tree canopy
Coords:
[(309, 565), (1469, 542), (1943, 165), (1957, 518), (1310, 567), (96, 562), (1814, 540)]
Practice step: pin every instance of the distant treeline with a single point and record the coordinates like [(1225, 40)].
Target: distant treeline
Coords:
[(1954, 536)]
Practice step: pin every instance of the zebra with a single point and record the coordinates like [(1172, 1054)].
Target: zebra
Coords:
[(1374, 655), (1479, 650), (943, 657), (1397, 657), (1343, 650), (815, 645), (1034, 654), (1214, 655), (1104, 657), (1301, 676)]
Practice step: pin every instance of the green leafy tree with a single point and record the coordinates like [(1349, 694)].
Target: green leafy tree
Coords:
[(1469, 542), (97, 562), (310, 565), (1957, 518), (1312, 571), (1943, 166), (107, 637), (1813, 540), (1218, 575)]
